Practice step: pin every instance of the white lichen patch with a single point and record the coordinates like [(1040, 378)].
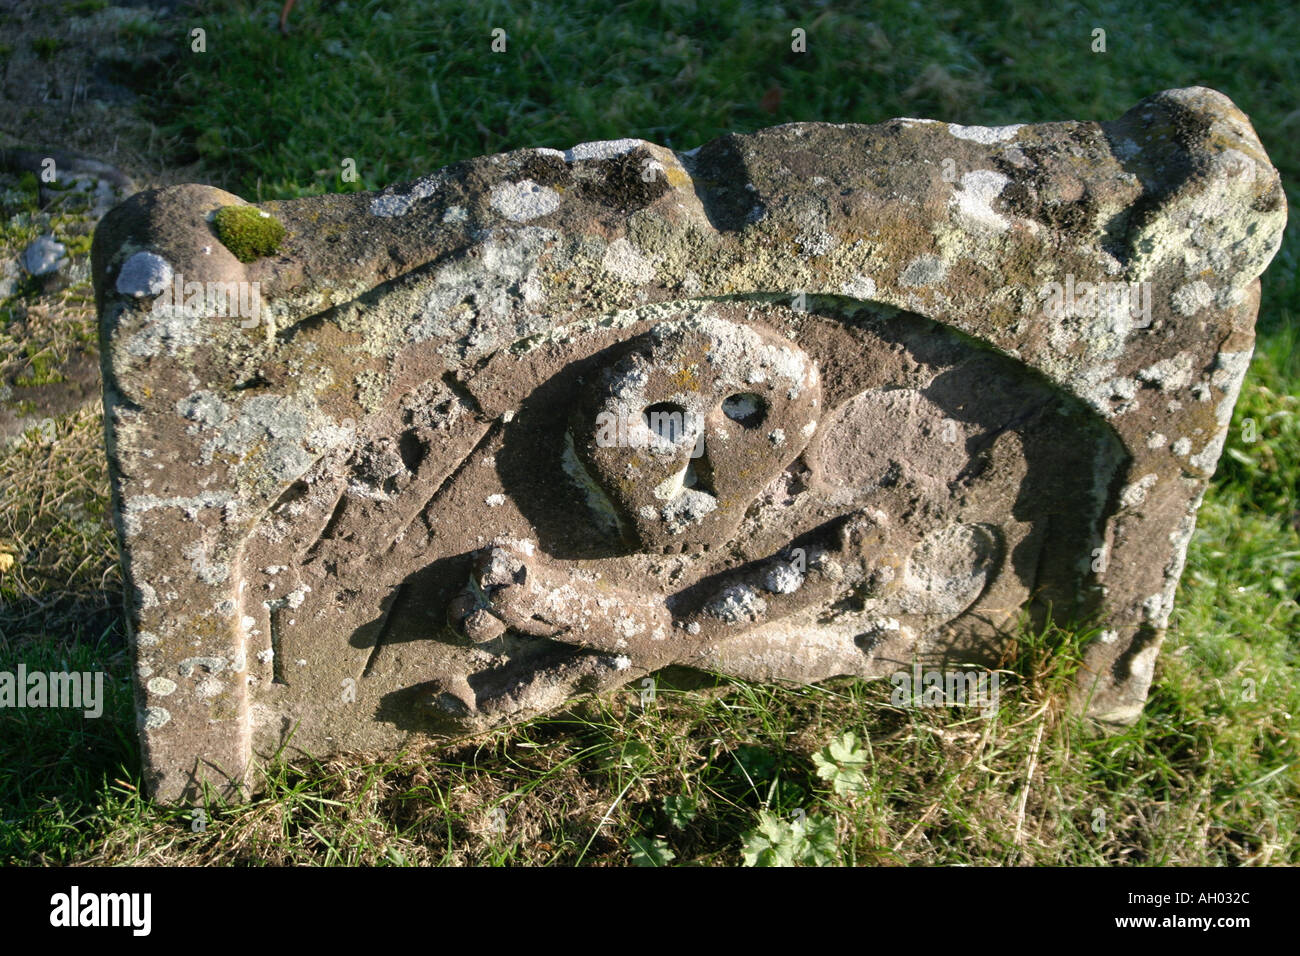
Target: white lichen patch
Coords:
[(736, 604), (1228, 373), (1135, 492), (1208, 456), (1219, 226), (144, 274), (475, 305), (146, 595), (986, 135), (204, 407), (390, 204), (972, 202), (923, 271), (1169, 374), (816, 243), (735, 352), (208, 687), (628, 626), (604, 149), (623, 260), (1191, 298), (1124, 388), (161, 686), (782, 578), (1155, 611), (524, 200), (167, 328), (859, 287), (688, 508), (285, 434)]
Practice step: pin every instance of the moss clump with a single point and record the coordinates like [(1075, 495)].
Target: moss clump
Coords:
[(78, 245), (42, 369), (248, 232)]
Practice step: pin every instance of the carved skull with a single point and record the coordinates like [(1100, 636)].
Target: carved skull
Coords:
[(689, 422)]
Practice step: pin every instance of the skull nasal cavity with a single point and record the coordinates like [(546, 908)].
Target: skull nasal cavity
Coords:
[(746, 408), (666, 420)]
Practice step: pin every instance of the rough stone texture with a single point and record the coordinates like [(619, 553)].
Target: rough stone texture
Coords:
[(388, 508)]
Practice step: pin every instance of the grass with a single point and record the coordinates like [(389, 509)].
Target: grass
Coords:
[(1208, 775), (40, 330)]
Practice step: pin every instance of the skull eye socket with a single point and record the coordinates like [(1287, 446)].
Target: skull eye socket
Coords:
[(745, 408), (666, 419)]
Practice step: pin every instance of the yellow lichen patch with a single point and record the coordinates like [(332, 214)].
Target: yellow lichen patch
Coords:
[(687, 379), (677, 177)]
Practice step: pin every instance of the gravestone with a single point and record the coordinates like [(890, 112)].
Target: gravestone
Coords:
[(819, 400)]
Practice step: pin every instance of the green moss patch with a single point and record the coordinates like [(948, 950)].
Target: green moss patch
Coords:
[(42, 369), (248, 232)]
